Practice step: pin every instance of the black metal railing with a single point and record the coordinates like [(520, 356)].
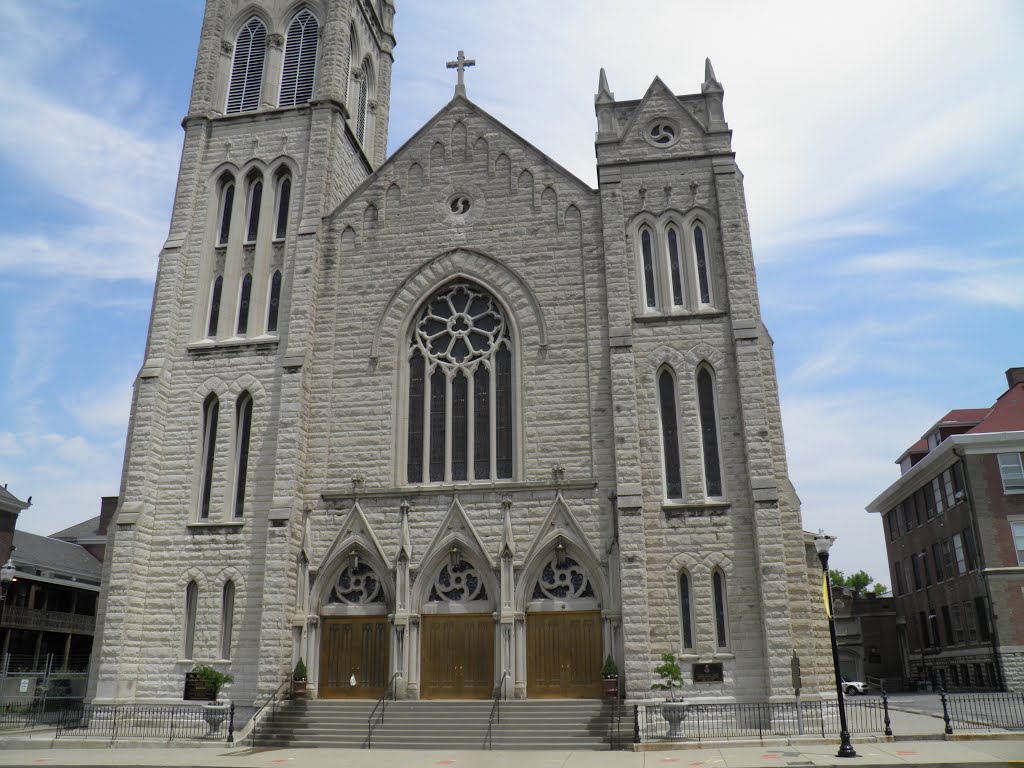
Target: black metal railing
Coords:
[(701, 722), (495, 716), (982, 712), (136, 721), (268, 707), (374, 719), (17, 716)]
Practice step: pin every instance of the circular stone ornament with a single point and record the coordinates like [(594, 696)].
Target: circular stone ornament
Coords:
[(662, 132)]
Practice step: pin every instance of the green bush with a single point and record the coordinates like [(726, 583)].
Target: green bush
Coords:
[(609, 670), (300, 671), (213, 679), (671, 675)]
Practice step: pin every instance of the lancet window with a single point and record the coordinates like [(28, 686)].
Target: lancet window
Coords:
[(299, 70), (191, 608), (247, 67), (211, 412), (707, 410), (667, 402), (243, 432), (674, 267), (460, 389)]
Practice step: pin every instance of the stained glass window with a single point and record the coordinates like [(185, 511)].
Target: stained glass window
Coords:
[(227, 202), (284, 198), (709, 432), (215, 297), (670, 435), (675, 267), (243, 429), (211, 411), (461, 346), (703, 280), (255, 201), (275, 301), (244, 299), (718, 586), (649, 277), (686, 609)]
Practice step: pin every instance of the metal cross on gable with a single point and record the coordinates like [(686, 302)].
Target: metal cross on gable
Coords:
[(460, 64)]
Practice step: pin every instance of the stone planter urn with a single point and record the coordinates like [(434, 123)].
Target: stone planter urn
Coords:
[(215, 713), (610, 687), (675, 712)]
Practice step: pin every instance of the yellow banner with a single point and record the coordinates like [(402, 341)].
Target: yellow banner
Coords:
[(825, 595)]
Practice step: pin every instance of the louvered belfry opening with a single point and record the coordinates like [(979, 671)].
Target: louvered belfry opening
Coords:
[(299, 69), (247, 68)]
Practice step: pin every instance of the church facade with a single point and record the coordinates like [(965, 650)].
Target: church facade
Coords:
[(452, 419)]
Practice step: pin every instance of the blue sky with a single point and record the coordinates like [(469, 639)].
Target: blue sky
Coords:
[(882, 144)]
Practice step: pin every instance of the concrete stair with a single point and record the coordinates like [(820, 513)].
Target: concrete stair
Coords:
[(577, 725)]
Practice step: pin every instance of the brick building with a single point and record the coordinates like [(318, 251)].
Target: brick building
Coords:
[(450, 413), (954, 525)]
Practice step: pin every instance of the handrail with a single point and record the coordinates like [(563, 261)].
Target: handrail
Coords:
[(370, 724), (496, 709), (259, 713)]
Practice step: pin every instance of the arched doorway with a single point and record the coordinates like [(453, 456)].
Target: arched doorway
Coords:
[(564, 642), (457, 632), (354, 634)]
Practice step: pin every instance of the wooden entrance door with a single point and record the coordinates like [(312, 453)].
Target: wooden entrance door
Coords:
[(563, 655), (353, 645), (458, 656)]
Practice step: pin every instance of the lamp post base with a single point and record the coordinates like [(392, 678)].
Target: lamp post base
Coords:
[(846, 749)]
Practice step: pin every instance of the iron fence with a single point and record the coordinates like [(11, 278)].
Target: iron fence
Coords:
[(700, 722), (16, 716), (983, 711), (134, 721)]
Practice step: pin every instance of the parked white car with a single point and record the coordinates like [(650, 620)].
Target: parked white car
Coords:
[(853, 687)]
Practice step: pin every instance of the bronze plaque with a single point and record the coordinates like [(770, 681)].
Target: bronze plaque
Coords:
[(708, 673), (196, 689)]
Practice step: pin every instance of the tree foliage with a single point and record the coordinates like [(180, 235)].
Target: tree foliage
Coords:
[(858, 581)]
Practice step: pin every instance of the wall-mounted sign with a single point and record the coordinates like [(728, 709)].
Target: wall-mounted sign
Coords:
[(708, 673)]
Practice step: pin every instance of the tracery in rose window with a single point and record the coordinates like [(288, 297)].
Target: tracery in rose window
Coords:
[(357, 584), (457, 583), (562, 579)]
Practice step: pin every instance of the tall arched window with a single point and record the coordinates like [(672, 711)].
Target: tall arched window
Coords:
[(227, 618), (215, 298), (650, 276), (211, 411), (284, 200), (460, 424), (299, 68), (191, 608), (252, 230), (701, 257), (708, 412), (227, 202), (670, 435), (686, 609), (363, 103), (244, 299), (243, 430), (274, 302), (721, 609), (675, 266), (247, 68)]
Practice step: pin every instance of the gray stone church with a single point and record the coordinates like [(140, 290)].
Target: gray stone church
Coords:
[(449, 414)]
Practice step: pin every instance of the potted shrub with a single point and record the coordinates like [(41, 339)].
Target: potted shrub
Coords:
[(299, 681), (213, 680), (610, 678), (673, 710)]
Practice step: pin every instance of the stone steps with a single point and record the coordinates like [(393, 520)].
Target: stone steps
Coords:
[(582, 725)]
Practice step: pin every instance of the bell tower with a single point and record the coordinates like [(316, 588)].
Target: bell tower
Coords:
[(288, 115)]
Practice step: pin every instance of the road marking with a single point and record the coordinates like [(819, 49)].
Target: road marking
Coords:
[(906, 753)]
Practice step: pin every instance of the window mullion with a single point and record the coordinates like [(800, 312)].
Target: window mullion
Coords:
[(448, 426), (470, 426), (492, 382)]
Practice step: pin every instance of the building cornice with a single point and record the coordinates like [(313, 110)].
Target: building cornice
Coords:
[(944, 456)]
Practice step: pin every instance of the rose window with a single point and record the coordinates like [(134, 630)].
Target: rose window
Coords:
[(357, 585), (460, 388), (562, 579), (459, 583)]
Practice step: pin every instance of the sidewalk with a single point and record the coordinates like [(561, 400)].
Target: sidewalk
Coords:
[(974, 753)]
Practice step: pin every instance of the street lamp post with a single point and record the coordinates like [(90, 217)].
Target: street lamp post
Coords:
[(823, 543), (7, 572)]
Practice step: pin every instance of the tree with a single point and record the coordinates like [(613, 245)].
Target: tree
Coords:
[(858, 581)]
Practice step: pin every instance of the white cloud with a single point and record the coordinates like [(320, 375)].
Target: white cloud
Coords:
[(9, 445), (103, 409)]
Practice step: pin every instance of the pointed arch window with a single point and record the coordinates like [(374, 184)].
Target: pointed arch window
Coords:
[(227, 202), (247, 68), (243, 431), (686, 609), (299, 70), (215, 299), (650, 276), (363, 102), (701, 258), (708, 413), (460, 389), (675, 266), (191, 608), (244, 300), (255, 201), (284, 199), (274, 302), (227, 618), (721, 609), (211, 412), (670, 434)]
